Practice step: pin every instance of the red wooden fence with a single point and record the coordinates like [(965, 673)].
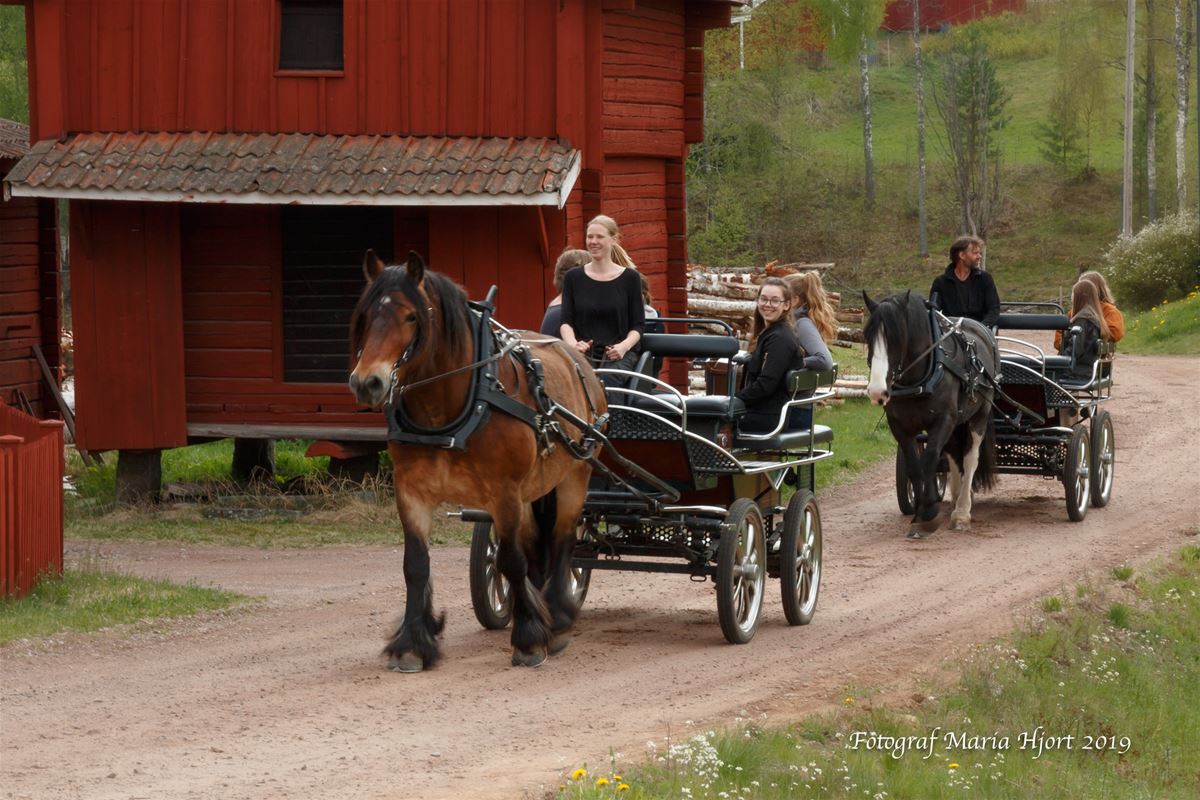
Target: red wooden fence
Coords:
[(31, 507)]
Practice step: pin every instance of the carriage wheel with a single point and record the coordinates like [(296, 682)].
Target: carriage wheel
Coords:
[(905, 498), (1077, 474), (1104, 451), (741, 572), (581, 577), (800, 558), (489, 589)]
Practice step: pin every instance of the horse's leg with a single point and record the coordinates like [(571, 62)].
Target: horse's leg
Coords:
[(560, 598), (531, 633), (960, 520), (413, 647), (928, 518), (955, 477)]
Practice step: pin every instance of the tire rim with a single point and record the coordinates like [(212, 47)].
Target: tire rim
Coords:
[(1082, 476), (749, 576), (808, 562), (497, 586), (1104, 460)]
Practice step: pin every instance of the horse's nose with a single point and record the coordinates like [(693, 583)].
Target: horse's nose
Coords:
[(879, 396), (369, 390)]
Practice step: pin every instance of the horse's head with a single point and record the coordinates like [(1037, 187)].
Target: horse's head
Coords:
[(894, 331), (391, 319)]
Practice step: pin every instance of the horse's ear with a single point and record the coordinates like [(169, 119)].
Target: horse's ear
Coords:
[(907, 296), (372, 266), (416, 267), (871, 304)]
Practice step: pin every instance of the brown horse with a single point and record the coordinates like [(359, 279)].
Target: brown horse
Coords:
[(413, 335)]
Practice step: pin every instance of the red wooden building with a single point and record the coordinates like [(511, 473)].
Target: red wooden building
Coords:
[(28, 288), (936, 14), (227, 162)]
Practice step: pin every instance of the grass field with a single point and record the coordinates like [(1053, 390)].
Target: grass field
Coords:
[(1166, 329), (1072, 705)]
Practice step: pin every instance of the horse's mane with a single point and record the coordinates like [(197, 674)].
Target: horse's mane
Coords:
[(444, 295), (899, 313)]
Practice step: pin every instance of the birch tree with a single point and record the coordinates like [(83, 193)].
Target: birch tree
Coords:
[(1151, 120), (922, 226), (1183, 49), (849, 28)]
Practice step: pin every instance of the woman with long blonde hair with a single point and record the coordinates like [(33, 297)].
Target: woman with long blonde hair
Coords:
[(602, 310), (1088, 328), (815, 320)]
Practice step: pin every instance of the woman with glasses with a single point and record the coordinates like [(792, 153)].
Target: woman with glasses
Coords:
[(775, 353)]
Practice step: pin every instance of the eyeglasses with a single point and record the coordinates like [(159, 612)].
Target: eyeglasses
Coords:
[(770, 302)]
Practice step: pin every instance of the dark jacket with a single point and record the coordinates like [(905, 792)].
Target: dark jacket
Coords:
[(765, 390), (976, 297), (1084, 346)]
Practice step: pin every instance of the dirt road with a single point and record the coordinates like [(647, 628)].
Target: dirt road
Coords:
[(290, 699)]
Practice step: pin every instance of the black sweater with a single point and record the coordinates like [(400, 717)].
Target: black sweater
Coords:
[(777, 352), (976, 297), (603, 311)]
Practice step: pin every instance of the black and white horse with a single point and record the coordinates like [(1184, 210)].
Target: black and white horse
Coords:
[(931, 375)]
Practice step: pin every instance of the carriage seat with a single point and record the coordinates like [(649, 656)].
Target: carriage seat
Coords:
[(789, 440), (1033, 322), (707, 407)]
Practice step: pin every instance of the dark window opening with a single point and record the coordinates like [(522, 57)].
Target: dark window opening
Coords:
[(310, 34), (323, 250)]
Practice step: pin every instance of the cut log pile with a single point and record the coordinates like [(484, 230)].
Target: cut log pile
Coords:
[(728, 294)]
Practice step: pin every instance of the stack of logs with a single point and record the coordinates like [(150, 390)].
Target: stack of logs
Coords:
[(728, 294)]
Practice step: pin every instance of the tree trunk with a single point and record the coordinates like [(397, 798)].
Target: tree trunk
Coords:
[(1182, 56), (868, 145), (1127, 166), (1151, 120), (922, 226)]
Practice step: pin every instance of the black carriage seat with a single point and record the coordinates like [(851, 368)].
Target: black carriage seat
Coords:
[(1033, 322), (657, 346), (800, 382)]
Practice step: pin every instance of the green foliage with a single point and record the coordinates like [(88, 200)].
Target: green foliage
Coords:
[(846, 28), (1162, 262), (1059, 136), (90, 599), (14, 83), (1075, 674)]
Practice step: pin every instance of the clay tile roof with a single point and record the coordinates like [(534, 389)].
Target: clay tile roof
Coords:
[(289, 168), (14, 139)]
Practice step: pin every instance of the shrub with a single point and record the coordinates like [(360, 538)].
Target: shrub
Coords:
[(1162, 262)]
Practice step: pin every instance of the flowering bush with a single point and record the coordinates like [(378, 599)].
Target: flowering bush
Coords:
[(1162, 262)]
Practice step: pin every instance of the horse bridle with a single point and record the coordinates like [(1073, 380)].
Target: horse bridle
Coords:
[(917, 388)]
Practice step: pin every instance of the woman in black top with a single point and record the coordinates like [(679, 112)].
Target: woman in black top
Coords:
[(602, 311), (776, 352)]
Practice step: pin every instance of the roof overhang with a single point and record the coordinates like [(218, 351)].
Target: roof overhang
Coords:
[(299, 169)]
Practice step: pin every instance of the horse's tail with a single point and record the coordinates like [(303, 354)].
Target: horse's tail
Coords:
[(985, 472)]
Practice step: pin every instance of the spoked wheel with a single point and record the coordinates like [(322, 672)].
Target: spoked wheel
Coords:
[(1077, 474), (489, 589), (800, 558), (741, 572), (581, 577), (905, 497), (1104, 451)]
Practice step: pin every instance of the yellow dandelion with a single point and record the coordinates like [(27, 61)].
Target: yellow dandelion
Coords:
[(617, 778), (624, 787), (602, 781), (953, 765), (849, 701), (579, 774)]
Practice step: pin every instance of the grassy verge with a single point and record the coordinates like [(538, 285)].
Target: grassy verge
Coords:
[(88, 600), (1077, 705), (1166, 329)]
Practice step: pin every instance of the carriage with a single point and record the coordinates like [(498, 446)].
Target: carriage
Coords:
[(1047, 414), (682, 491)]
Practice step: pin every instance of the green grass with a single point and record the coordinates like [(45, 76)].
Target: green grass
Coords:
[(1166, 329), (860, 438), (1094, 672), (89, 600)]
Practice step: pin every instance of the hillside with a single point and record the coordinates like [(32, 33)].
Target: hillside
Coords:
[(780, 174)]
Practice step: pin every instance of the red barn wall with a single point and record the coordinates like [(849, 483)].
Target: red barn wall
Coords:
[(423, 67), (936, 13)]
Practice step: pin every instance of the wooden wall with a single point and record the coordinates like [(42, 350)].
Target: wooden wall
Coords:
[(127, 314), (421, 67), (28, 298)]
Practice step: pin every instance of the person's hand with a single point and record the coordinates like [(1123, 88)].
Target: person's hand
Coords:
[(584, 346), (614, 352)]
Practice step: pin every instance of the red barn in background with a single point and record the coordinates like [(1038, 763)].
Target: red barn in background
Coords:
[(228, 162), (28, 288), (936, 14)]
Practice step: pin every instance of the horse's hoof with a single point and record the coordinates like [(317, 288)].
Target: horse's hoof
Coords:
[(916, 534), (533, 658), (958, 523), (406, 662), (559, 643)]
